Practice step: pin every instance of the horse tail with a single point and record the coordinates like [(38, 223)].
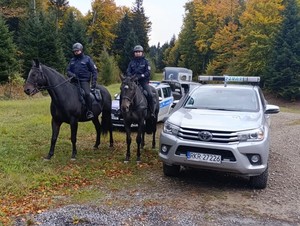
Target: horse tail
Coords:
[(106, 122)]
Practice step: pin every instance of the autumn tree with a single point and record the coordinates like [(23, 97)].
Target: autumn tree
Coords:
[(260, 22), (105, 16), (170, 56), (216, 27), (58, 7), (190, 56)]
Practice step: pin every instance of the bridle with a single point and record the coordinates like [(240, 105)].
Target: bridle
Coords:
[(127, 97), (41, 88)]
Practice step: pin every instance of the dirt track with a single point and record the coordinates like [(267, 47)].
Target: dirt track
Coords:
[(202, 198)]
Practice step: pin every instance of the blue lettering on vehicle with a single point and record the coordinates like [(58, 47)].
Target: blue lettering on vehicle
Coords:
[(165, 103)]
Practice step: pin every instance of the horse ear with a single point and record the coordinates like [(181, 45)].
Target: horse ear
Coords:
[(35, 63)]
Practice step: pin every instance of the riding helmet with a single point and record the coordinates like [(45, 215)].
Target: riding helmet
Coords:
[(138, 48), (77, 46)]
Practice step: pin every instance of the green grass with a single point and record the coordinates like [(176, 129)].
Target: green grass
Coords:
[(25, 132)]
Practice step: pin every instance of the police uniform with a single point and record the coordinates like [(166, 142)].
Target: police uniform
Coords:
[(139, 66), (84, 69)]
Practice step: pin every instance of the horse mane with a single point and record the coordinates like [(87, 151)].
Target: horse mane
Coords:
[(53, 70)]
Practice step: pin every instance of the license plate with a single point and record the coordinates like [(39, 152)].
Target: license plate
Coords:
[(203, 157)]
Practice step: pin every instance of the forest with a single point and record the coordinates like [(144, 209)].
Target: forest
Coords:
[(235, 37)]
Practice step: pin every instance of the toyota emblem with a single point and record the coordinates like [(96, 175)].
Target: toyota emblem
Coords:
[(205, 136)]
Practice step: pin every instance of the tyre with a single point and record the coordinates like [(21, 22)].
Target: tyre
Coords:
[(260, 181), (171, 171)]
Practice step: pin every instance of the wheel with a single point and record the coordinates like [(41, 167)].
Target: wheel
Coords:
[(171, 171), (260, 181)]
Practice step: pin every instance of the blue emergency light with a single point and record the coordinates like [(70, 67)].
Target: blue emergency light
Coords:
[(228, 78)]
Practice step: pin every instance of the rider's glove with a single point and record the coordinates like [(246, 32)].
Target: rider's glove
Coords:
[(71, 75)]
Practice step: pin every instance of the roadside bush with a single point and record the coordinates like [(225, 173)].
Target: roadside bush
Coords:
[(13, 89)]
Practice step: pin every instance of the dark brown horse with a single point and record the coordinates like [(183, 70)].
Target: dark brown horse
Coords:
[(134, 109), (67, 106)]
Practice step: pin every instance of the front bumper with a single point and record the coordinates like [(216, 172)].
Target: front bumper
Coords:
[(235, 157)]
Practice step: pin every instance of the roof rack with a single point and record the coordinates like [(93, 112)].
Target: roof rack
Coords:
[(228, 78)]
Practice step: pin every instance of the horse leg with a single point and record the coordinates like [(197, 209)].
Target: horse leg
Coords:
[(55, 132), (111, 140), (98, 131), (143, 140), (153, 138), (128, 142), (74, 128), (139, 139)]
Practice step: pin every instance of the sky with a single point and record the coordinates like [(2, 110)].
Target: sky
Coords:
[(166, 16)]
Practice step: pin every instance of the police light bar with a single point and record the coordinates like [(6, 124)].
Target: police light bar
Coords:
[(228, 78)]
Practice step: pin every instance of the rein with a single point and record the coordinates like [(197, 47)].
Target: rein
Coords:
[(131, 99), (54, 86), (41, 88)]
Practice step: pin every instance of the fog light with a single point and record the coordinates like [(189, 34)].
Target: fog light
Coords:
[(255, 159), (164, 149)]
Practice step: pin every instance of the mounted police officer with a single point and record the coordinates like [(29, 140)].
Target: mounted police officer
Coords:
[(140, 67), (85, 71)]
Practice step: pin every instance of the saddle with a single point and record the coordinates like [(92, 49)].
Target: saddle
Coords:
[(95, 96)]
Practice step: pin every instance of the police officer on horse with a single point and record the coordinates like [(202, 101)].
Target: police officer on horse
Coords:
[(85, 71), (139, 66)]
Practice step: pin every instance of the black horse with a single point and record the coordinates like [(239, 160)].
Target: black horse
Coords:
[(134, 110), (67, 104)]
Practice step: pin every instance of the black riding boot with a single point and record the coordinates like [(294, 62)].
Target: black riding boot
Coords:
[(150, 105), (89, 113)]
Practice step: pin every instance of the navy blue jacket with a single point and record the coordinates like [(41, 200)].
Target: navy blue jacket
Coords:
[(139, 66), (83, 67)]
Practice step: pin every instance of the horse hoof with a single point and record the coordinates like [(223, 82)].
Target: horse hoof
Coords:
[(95, 148), (46, 159), (138, 162), (126, 161), (73, 159)]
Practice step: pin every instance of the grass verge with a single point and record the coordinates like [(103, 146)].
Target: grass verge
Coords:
[(31, 185)]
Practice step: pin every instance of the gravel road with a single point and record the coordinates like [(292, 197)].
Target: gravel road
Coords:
[(200, 197)]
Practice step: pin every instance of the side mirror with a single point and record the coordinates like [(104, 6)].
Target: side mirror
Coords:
[(272, 109)]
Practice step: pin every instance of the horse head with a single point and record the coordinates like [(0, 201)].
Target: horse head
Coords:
[(128, 92), (36, 80)]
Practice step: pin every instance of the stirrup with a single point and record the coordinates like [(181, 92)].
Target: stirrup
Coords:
[(89, 115)]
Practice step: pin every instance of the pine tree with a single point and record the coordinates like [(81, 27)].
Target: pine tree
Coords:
[(141, 25), (38, 39), (8, 63), (283, 71), (73, 30)]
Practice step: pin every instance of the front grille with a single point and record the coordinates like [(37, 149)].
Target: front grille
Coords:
[(228, 155), (224, 137)]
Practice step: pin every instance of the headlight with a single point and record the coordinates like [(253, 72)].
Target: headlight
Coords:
[(252, 135), (171, 128)]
